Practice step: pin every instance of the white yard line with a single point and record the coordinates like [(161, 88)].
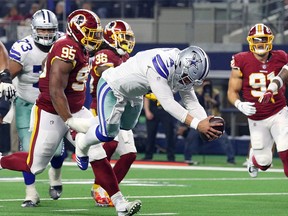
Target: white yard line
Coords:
[(174, 167), (162, 197)]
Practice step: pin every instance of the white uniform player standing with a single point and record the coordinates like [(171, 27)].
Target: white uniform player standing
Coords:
[(26, 57), (163, 71)]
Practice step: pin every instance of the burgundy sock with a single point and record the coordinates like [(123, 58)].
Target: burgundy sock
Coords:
[(15, 161), (284, 157), (105, 176), (123, 165), (110, 148)]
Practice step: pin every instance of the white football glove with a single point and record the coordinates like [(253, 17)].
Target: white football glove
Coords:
[(247, 108), (78, 124), (9, 91)]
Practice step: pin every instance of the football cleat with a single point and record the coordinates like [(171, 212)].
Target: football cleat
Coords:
[(129, 208), (55, 192), (82, 162), (252, 170), (30, 203), (101, 197)]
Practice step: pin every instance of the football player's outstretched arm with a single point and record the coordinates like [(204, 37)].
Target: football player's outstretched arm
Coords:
[(234, 87)]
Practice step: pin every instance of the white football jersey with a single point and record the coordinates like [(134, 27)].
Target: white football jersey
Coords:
[(151, 70), (131, 78), (26, 53)]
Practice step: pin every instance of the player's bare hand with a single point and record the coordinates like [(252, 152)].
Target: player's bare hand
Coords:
[(207, 128)]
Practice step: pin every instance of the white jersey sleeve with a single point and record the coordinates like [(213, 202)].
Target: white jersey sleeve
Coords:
[(190, 101), (26, 53)]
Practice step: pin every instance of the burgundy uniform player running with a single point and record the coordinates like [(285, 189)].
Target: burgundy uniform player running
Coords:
[(251, 73), (60, 105), (119, 41)]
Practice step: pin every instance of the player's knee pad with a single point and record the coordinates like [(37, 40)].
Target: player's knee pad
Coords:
[(96, 152), (126, 143), (37, 170), (262, 161)]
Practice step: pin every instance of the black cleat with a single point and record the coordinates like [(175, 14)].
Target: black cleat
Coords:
[(55, 192), (30, 203)]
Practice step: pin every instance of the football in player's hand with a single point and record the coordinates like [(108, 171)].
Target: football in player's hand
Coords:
[(215, 119), (218, 119)]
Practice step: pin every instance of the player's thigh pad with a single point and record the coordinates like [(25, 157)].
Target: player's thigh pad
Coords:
[(96, 152), (279, 130), (126, 142), (46, 136), (22, 113), (260, 134), (131, 113)]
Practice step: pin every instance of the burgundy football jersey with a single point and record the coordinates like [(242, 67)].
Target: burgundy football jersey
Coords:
[(105, 57), (68, 50), (256, 78)]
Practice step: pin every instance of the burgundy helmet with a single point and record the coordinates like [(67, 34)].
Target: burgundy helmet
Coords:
[(85, 27)]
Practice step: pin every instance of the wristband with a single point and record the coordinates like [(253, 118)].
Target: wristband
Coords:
[(285, 67), (194, 123), (236, 103), (279, 80), (68, 121), (273, 87), (5, 76)]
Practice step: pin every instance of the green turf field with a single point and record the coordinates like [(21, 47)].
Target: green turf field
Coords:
[(211, 188)]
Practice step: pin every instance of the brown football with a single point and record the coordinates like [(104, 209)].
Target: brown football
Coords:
[(215, 119), (218, 119)]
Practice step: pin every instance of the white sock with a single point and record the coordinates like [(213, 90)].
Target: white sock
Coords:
[(250, 155), (55, 176), (117, 199), (31, 193)]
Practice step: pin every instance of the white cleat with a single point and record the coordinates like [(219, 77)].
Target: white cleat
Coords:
[(252, 170), (129, 208)]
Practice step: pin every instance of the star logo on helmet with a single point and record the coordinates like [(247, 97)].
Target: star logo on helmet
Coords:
[(193, 62)]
